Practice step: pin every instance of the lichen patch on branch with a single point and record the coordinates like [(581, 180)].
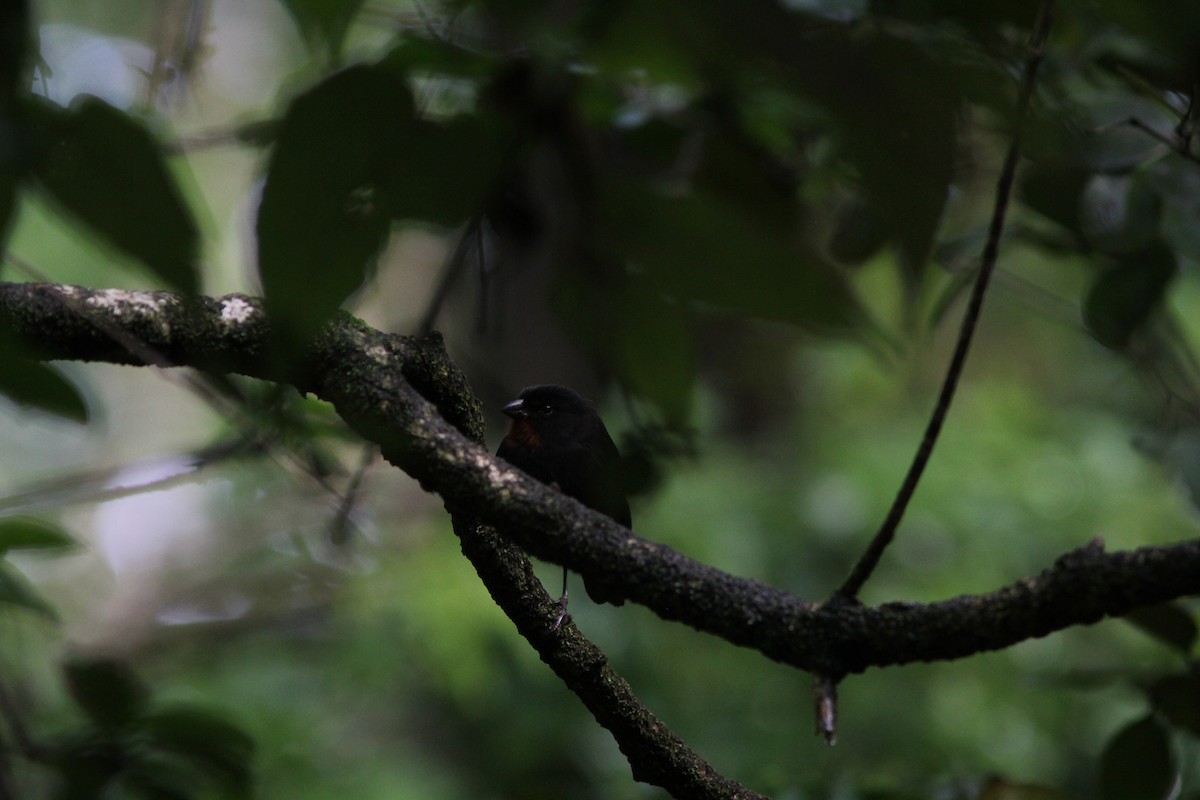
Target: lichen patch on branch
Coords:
[(236, 309), (120, 302)]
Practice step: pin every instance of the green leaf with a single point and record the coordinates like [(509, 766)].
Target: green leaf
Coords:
[(9, 180), (26, 533), (1173, 28), (32, 384), (1177, 698), (416, 55), (324, 22), (150, 778), (982, 15), (699, 248), (1137, 763), (87, 764), (103, 167), (107, 691), (441, 172), (893, 109), (351, 156), (1054, 191), (1180, 193), (14, 46), (641, 336), (323, 216), (1183, 454), (216, 747), (16, 591), (1123, 297), (1170, 623), (656, 359), (1001, 789), (14, 43)]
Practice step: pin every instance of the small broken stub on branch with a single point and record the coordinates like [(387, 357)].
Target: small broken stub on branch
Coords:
[(825, 707)]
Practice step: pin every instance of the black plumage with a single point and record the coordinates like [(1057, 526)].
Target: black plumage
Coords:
[(556, 436)]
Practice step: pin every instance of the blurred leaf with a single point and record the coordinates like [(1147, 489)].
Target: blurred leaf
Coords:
[(858, 232), (107, 691), (1180, 193), (642, 337), (217, 748), (1000, 789), (324, 22), (9, 180), (890, 794), (646, 448), (1054, 191), (1174, 28), (323, 219), (414, 55), (39, 386), (104, 167), (351, 157), (698, 248), (14, 44), (440, 172), (1124, 296), (907, 170), (893, 109), (980, 15), (1183, 453), (26, 533), (958, 286), (1177, 697), (658, 40), (654, 351), (1137, 763), (145, 776), (1170, 623), (1119, 214), (87, 766), (16, 591)]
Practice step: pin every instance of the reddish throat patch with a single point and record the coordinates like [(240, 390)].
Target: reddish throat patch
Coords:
[(521, 433)]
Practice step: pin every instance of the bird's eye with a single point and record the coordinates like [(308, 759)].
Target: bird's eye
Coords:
[(545, 410)]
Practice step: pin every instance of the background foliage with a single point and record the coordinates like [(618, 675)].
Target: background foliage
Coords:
[(746, 229)]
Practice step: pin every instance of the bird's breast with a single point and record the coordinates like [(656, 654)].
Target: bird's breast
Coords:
[(521, 434)]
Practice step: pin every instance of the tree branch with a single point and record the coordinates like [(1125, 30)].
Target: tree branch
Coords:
[(405, 394), (373, 380)]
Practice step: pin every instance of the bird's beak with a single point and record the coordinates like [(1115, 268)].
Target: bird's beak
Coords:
[(516, 409)]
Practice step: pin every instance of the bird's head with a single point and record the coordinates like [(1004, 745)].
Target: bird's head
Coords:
[(549, 412)]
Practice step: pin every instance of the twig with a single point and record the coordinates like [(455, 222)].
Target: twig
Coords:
[(97, 486), (196, 383), (870, 559), (454, 267), (340, 527), (1177, 144), (825, 707)]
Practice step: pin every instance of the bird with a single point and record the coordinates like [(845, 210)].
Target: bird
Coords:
[(556, 436)]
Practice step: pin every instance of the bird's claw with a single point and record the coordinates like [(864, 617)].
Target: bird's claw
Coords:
[(562, 611)]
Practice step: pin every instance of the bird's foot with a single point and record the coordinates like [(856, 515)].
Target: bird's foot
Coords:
[(562, 611)]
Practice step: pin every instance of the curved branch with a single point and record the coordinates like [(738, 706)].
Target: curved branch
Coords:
[(991, 250), (405, 394), (372, 379)]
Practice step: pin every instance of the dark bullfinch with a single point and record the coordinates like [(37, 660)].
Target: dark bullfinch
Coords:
[(557, 437)]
